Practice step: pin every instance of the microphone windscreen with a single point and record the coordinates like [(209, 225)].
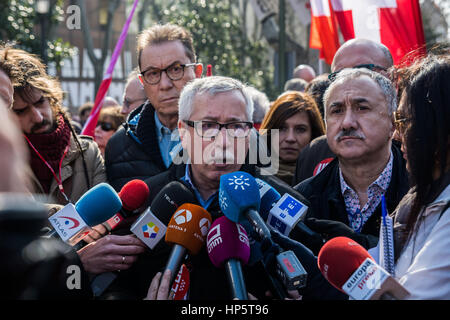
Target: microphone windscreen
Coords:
[(98, 204), (238, 193), (227, 240), (339, 258), (189, 227), (169, 199), (134, 194), (269, 196)]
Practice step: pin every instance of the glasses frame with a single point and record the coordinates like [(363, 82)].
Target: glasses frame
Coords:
[(370, 66), (109, 127), (142, 74), (195, 125)]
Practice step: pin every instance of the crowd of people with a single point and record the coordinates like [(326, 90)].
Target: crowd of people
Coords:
[(340, 143)]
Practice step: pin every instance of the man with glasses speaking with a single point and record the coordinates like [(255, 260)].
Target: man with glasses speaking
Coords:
[(214, 123), (141, 147)]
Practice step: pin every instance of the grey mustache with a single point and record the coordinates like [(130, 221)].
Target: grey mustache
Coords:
[(349, 133)]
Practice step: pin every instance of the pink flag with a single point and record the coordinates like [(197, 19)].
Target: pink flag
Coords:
[(91, 123)]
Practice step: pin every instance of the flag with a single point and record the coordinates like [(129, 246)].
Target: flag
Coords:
[(91, 123), (395, 23), (323, 34)]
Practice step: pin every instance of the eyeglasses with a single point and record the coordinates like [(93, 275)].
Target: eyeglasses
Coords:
[(105, 126), (332, 76), (210, 129), (174, 72), (400, 122)]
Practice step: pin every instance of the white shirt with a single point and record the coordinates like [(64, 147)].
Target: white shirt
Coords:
[(423, 267)]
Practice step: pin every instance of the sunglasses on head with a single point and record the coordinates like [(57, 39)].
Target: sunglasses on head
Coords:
[(332, 76), (105, 126)]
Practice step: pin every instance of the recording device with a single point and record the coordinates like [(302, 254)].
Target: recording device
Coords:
[(133, 195), (351, 269), (151, 226), (228, 246), (239, 198), (73, 222), (186, 231), (291, 271), (283, 213)]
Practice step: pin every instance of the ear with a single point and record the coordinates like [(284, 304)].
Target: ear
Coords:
[(198, 70), (182, 132)]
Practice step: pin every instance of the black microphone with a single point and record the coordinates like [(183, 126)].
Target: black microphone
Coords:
[(151, 226)]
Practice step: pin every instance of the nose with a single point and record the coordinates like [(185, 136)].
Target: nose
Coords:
[(290, 137), (36, 115), (349, 120), (165, 83)]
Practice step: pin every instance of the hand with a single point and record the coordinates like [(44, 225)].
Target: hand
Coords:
[(111, 253), (331, 229), (159, 288), (96, 233)]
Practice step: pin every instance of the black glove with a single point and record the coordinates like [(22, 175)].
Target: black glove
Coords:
[(331, 229)]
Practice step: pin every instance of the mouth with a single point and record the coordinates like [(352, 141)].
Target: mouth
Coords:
[(171, 99)]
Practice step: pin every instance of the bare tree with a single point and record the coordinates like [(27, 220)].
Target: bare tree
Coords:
[(98, 62)]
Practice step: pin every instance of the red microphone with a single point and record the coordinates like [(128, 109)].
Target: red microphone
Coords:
[(133, 195), (351, 269)]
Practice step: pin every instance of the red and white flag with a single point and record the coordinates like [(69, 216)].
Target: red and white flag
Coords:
[(395, 23), (324, 32)]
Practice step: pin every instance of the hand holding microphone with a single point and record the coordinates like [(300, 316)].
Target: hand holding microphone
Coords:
[(187, 231), (351, 269)]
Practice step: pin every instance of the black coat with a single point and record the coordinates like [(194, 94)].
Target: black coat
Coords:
[(324, 193), (207, 281), (133, 151)]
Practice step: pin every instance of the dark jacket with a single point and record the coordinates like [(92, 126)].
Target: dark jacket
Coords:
[(310, 156), (324, 193), (133, 151), (207, 282)]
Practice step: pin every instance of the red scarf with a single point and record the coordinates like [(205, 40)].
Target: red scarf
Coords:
[(51, 146)]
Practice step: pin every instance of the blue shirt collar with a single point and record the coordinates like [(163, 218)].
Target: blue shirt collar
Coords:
[(187, 179)]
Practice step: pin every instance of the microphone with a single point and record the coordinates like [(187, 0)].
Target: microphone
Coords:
[(151, 226), (351, 269), (239, 199), (229, 247), (187, 231), (285, 213), (133, 195), (73, 222)]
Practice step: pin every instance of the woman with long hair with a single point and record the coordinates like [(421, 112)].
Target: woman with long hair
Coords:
[(422, 219), (296, 117)]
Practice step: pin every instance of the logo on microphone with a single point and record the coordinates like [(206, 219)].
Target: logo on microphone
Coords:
[(150, 230), (182, 216), (69, 220), (204, 226), (214, 238), (239, 182), (222, 200)]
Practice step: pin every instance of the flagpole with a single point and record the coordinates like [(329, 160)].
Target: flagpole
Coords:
[(91, 123)]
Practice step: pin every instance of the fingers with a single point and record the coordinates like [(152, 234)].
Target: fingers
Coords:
[(159, 287)]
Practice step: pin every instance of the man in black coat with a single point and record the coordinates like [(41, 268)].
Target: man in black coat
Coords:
[(207, 106), (142, 147), (346, 195)]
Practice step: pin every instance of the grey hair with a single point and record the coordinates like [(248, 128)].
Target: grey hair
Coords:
[(261, 104), (211, 85), (384, 83)]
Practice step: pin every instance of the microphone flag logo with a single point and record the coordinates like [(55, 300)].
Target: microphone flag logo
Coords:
[(238, 182), (150, 230), (204, 226), (68, 220), (182, 216)]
